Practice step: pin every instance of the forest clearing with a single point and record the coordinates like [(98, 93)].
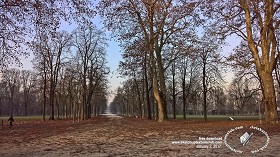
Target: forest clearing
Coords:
[(125, 136)]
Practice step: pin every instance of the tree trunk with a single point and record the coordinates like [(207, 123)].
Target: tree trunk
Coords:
[(147, 88), (1, 107), (162, 84), (89, 99), (58, 113), (95, 110), (269, 98), (89, 108), (51, 94), (83, 107), (157, 93), (204, 91), (184, 94), (173, 91), (44, 94), (138, 96), (52, 105), (153, 106), (12, 105), (26, 99)]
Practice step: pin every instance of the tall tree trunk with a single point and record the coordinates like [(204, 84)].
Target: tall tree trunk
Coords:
[(173, 91), (144, 105), (1, 107), (157, 93), (84, 75), (162, 90), (44, 93), (12, 104), (277, 75), (147, 91), (184, 93), (51, 95), (138, 97), (26, 99), (84, 96), (58, 113), (269, 98), (96, 113), (89, 108), (204, 91)]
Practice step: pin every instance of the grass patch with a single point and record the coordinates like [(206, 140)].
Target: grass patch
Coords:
[(22, 118), (219, 117)]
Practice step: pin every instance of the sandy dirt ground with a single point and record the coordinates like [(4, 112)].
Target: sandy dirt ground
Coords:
[(111, 135)]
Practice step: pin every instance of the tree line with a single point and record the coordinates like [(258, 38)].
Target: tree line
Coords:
[(169, 47), (159, 35), (69, 78)]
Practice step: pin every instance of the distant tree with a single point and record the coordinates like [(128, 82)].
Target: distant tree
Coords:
[(90, 44), (99, 99), (242, 94), (187, 72), (209, 58), (12, 88), (28, 84), (117, 105), (174, 92), (2, 97), (220, 100), (72, 83)]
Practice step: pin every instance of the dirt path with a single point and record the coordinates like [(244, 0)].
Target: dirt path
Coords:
[(111, 135)]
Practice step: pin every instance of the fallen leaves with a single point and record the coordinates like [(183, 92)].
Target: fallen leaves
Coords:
[(111, 136)]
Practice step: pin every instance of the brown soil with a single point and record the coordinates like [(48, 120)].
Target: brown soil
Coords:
[(124, 136)]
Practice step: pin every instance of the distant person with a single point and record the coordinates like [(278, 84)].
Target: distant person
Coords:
[(11, 120)]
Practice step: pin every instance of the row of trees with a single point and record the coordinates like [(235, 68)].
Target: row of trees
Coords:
[(75, 63), (17, 94), (161, 33), (185, 93), (69, 76)]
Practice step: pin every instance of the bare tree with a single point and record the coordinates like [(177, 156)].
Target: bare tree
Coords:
[(27, 81), (12, 87), (90, 44), (209, 57), (187, 70), (48, 54), (242, 94)]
